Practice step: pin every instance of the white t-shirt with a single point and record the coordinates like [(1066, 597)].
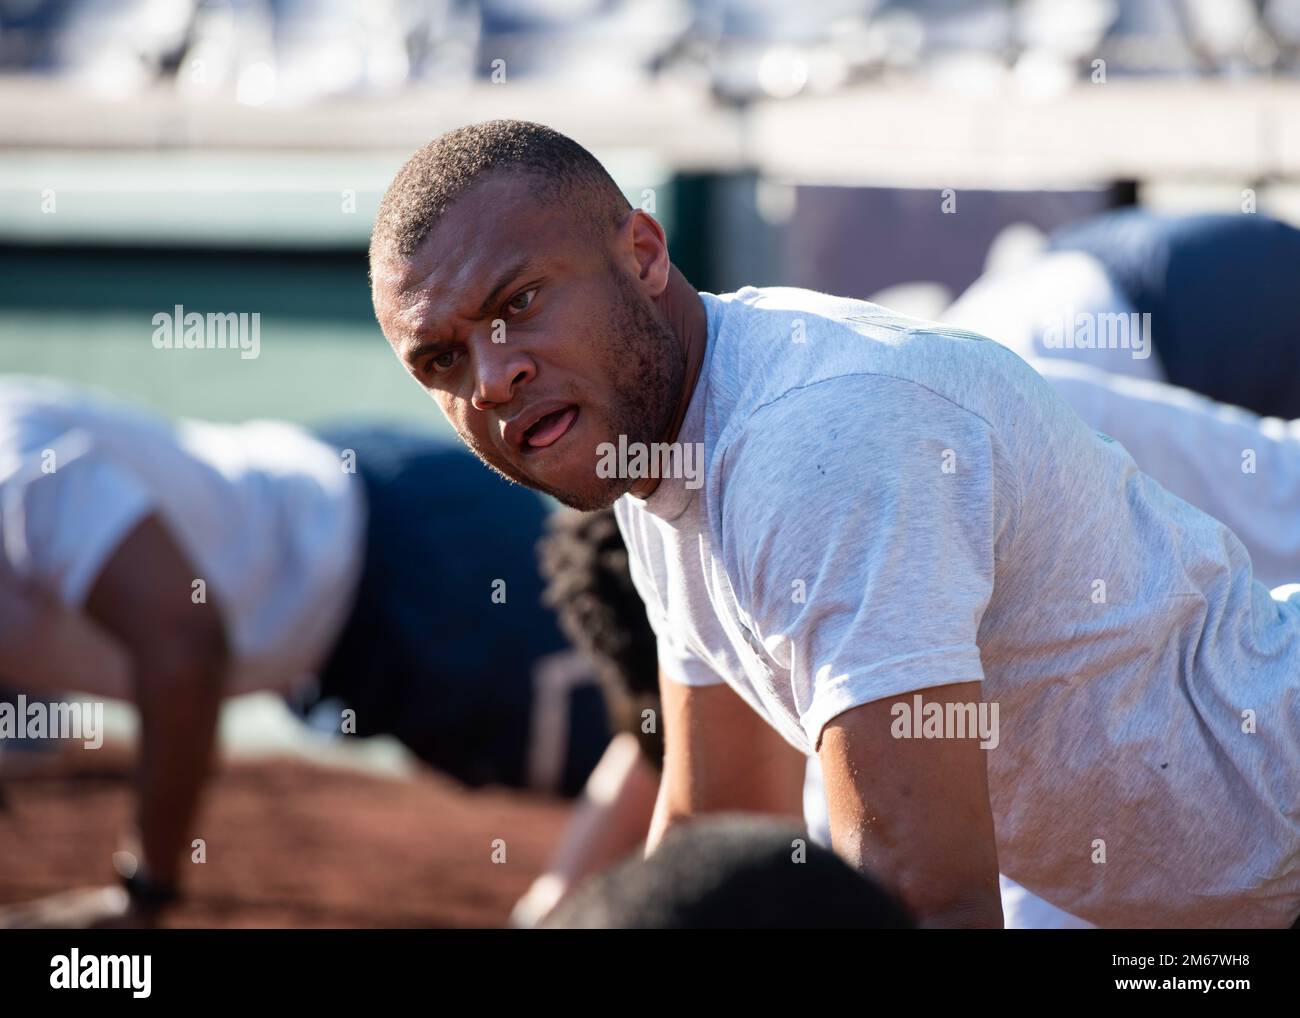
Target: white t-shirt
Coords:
[(1239, 467), (889, 505), (265, 514)]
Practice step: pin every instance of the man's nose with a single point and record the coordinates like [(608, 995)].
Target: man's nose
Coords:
[(500, 372)]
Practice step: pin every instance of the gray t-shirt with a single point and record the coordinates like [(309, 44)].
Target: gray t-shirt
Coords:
[(889, 505)]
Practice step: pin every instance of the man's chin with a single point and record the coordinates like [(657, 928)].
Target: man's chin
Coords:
[(601, 495), (596, 493)]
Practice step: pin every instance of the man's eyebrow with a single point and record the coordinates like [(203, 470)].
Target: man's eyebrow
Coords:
[(421, 349), (503, 281), (432, 346)]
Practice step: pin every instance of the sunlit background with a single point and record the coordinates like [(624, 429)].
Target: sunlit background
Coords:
[(229, 156)]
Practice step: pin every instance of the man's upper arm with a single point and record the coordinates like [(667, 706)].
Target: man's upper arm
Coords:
[(865, 551), (90, 539), (915, 813), (144, 597)]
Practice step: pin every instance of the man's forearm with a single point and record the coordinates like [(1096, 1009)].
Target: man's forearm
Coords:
[(178, 654), (720, 756), (978, 913), (932, 899), (663, 818), (178, 707), (611, 818)]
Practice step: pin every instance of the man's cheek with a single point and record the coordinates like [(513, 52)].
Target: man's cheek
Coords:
[(456, 412), (478, 443), (474, 442)]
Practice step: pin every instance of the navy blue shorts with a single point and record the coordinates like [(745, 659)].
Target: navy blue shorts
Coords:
[(486, 690)]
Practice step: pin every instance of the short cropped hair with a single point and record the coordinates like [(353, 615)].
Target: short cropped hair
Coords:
[(445, 169)]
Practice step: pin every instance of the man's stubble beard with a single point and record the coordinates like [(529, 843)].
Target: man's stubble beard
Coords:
[(646, 363)]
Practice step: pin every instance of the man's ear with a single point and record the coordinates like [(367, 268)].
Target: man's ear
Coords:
[(649, 247)]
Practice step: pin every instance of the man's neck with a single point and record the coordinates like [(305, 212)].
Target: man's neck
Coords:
[(686, 316)]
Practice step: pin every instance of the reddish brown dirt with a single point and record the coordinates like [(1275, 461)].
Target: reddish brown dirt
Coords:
[(291, 844)]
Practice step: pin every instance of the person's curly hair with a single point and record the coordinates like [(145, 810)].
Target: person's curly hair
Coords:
[(584, 564)]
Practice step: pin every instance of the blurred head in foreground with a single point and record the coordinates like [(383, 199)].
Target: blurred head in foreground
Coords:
[(732, 872), (519, 287)]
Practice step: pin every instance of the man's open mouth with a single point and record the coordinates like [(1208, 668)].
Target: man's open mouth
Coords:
[(549, 429)]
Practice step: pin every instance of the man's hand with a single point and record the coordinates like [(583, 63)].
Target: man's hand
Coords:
[(83, 909), (720, 756), (914, 813), (609, 821)]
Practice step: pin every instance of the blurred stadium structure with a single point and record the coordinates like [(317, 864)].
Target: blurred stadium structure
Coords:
[(229, 156), (264, 51)]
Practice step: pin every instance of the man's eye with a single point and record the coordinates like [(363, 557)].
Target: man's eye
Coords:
[(444, 361), (526, 296)]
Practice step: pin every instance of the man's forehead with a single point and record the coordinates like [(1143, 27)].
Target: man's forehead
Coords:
[(458, 265), (433, 276), (422, 288), (497, 214)]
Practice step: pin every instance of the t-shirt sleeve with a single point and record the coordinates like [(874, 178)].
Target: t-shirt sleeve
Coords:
[(65, 511), (678, 660), (859, 524), (678, 663)]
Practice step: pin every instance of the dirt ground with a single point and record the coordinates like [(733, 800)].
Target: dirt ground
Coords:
[(292, 844)]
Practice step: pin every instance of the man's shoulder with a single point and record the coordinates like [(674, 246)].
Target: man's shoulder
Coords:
[(829, 310), (874, 394), (862, 394), (787, 309), (875, 382), (846, 431), (779, 341)]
